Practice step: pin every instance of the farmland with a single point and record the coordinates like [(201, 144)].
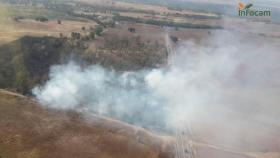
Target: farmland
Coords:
[(224, 67)]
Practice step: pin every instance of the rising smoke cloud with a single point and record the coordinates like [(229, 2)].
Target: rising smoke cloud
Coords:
[(225, 86), (94, 89)]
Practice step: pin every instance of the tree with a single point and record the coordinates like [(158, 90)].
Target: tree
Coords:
[(174, 39), (75, 35), (132, 30), (98, 30), (42, 19), (83, 28)]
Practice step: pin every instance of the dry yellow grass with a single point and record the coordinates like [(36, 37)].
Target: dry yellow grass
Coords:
[(29, 131), (13, 30), (144, 7)]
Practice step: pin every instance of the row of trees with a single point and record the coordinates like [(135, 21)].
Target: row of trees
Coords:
[(133, 44), (79, 41), (40, 18), (165, 23)]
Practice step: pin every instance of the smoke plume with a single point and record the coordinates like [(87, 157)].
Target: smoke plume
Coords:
[(226, 88)]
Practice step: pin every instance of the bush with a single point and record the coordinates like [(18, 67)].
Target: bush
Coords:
[(18, 18), (75, 35), (42, 19), (98, 30), (174, 39)]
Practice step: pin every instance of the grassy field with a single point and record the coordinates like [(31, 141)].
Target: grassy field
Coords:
[(29, 12), (29, 131), (143, 7), (12, 30)]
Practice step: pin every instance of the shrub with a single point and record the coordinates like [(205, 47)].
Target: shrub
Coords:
[(174, 39), (98, 30), (42, 19), (75, 35), (18, 18)]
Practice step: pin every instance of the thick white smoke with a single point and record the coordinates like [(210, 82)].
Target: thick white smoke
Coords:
[(124, 96), (226, 86)]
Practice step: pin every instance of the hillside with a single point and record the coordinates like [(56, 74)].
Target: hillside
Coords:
[(26, 61), (137, 79), (29, 131)]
